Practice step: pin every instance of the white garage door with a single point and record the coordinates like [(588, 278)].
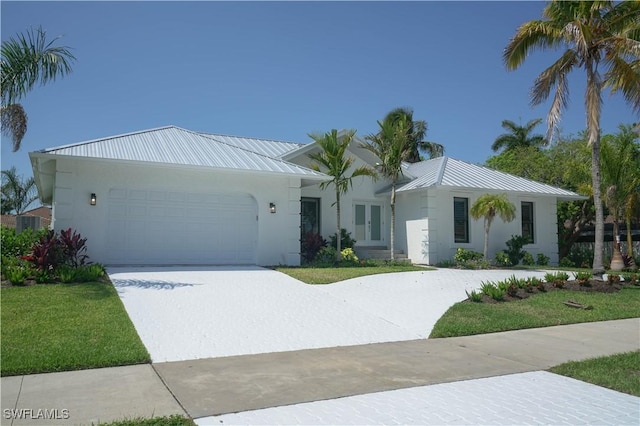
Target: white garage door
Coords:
[(156, 227)]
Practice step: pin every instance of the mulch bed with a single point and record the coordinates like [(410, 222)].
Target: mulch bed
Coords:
[(590, 286)]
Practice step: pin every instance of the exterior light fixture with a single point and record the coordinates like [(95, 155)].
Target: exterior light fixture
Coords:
[(272, 207), (92, 200)]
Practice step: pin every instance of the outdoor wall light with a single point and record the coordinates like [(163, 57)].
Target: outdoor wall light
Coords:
[(272, 207), (92, 200)]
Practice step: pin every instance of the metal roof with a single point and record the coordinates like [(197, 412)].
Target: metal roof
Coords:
[(270, 148), (445, 171), (173, 145)]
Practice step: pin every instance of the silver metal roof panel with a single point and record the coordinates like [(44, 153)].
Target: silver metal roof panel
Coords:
[(445, 171), (173, 145)]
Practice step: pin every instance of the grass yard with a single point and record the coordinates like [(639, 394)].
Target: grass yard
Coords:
[(175, 420), (539, 310), (618, 372), (332, 275), (60, 327)]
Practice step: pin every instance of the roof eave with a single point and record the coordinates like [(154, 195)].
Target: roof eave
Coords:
[(319, 177)]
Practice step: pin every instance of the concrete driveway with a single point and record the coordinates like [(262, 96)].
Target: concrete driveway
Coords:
[(184, 313)]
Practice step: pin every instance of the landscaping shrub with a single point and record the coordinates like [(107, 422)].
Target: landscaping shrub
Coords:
[(582, 278), (349, 256), (514, 248), (326, 256), (613, 278), (558, 279), (312, 243), (17, 274), (463, 256), (474, 296), (542, 260), (74, 248), (469, 259), (493, 290), (527, 259), (345, 240), (502, 259), (15, 245), (51, 257), (631, 278), (565, 262), (580, 257), (66, 274), (517, 282), (47, 253), (43, 277), (52, 251)]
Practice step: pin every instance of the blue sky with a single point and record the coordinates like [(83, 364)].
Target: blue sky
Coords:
[(281, 70)]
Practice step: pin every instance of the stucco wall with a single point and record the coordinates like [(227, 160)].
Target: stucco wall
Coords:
[(278, 234), (436, 205)]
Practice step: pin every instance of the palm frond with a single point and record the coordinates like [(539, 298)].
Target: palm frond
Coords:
[(624, 77), (17, 192), (29, 59), (14, 123), (533, 35)]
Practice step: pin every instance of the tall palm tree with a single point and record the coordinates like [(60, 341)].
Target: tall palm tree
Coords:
[(488, 206), (332, 160), (17, 192), (621, 178), (391, 145), (416, 132), (26, 60), (518, 136), (594, 34)]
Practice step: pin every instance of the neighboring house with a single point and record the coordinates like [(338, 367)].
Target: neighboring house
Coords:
[(42, 212), (173, 196)]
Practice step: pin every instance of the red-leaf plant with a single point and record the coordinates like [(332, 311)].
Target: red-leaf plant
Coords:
[(73, 247)]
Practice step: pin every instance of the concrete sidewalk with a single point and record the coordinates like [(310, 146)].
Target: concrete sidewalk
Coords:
[(215, 386)]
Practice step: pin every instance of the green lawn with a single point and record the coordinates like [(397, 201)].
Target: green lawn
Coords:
[(332, 275), (59, 327), (175, 420), (618, 372), (539, 310)]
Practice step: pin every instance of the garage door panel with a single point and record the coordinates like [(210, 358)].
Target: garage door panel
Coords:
[(169, 227)]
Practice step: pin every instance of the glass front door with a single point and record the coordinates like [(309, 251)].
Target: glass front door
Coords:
[(368, 223)]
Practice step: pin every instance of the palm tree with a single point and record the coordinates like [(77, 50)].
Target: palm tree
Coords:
[(17, 192), (416, 132), (594, 33), (621, 178), (332, 161), (26, 60), (488, 206), (392, 146), (518, 136)]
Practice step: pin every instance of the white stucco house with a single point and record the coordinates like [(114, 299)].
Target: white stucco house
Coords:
[(174, 196)]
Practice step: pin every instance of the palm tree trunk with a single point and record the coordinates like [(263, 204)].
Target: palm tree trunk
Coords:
[(629, 237), (598, 247), (617, 262), (339, 234), (393, 219), (593, 103), (487, 225)]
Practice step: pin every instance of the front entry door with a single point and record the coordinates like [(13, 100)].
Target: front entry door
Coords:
[(368, 223)]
